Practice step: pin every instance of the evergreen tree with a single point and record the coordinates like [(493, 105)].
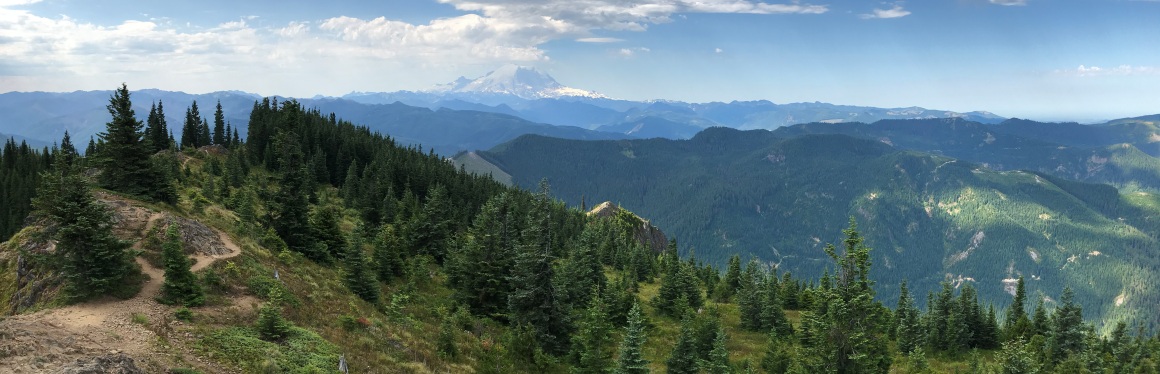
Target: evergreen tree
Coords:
[(125, 160), (180, 286), (777, 357), (844, 330), (227, 137), (772, 314), (191, 128), (480, 269), (749, 301), (360, 279), (582, 275), (1040, 324), (92, 262), (631, 359), (910, 334), (590, 352), (1017, 325), (434, 224), (916, 359), (683, 359), (387, 254), (157, 129), (1016, 358), (324, 228), (291, 204), (732, 281), (271, 325), (718, 361), (67, 155), (533, 300), (203, 136), (1068, 326), (219, 135)]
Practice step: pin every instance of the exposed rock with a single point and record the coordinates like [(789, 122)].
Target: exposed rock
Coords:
[(643, 231), (197, 237), (113, 363)]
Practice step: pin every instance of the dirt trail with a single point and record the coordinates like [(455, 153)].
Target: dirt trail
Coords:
[(46, 340)]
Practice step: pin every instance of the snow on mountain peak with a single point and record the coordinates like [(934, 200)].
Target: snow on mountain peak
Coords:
[(522, 81)]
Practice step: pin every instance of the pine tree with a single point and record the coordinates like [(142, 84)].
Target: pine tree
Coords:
[(358, 275), (772, 314), (1068, 326), (387, 254), (683, 358), (324, 228), (777, 357), (1017, 325), (910, 334), (533, 301), (1040, 324), (631, 359), (181, 286), (203, 136), (291, 203), (156, 129), (479, 271), (590, 352), (67, 154), (93, 262), (843, 330), (191, 128), (271, 325), (219, 132), (125, 160), (718, 361), (1016, 358), (732, 281)]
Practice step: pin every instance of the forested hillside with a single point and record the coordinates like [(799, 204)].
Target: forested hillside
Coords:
[(344, 250), (1098, 154), (932, 218)]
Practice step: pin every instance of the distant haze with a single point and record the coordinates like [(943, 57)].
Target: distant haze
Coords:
[(1045, 60)]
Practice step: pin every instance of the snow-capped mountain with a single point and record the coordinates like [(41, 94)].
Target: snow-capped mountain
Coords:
[(521, 81)]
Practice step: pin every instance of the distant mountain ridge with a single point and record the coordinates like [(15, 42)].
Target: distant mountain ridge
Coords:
[(536, 96)]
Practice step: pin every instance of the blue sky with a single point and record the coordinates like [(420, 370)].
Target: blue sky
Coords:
[(1042, 59)]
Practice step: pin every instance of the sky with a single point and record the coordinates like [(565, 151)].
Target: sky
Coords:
[(1081, 60)]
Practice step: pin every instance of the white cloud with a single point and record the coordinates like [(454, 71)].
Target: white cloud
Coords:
[(599, 40), (63, 53), (1095, 71), (1009, 2), (718, 50), (895, 12), (630, 52)]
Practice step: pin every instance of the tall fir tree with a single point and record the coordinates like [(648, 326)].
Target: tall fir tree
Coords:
[(191, 127), (590, 351), (125, 163), (479, 270), (157, 129), (631, 356), (683, 358), (203, 136), (291, 204), (533, 301), (359, 277), (219, 123), (718, 361), (92, 262), (181, 286), (1017, 325), (845, 333)]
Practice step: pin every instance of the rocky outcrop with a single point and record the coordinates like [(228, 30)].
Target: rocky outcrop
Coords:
[(642, 230), (107, 364)]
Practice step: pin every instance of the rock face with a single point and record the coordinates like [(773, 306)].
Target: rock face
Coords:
[(107, 364), (644, 232)]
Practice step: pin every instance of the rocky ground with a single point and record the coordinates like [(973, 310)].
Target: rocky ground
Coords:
[(109, 335)]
